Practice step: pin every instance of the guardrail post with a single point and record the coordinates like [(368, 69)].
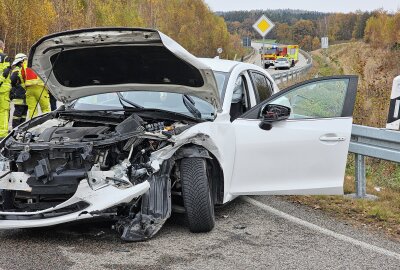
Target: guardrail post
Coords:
[(361, 182)]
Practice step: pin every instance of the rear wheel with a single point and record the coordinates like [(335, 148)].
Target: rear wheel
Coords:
[(196, 193)]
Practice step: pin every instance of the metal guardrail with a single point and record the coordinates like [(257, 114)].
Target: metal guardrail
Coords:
[(291, 74), (373, 142)]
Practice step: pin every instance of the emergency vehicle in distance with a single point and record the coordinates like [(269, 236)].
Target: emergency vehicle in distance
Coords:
[(270, 54)]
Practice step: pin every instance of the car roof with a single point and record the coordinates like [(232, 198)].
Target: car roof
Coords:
[(220, 64)]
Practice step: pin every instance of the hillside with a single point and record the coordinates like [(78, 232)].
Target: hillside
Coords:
[(376, 68)]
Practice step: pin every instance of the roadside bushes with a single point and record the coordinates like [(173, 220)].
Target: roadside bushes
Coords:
[(383, 30)]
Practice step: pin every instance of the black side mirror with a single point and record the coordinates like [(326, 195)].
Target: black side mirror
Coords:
[(273, 113)]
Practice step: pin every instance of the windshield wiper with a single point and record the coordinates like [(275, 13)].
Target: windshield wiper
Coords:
[(190, 105), (122, 99)]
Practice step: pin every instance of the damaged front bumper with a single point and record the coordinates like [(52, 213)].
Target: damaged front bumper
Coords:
[(86, 203)]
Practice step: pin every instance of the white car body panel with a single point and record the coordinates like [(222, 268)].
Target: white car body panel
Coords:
[(43, 50), (98, 200), (304, 163)]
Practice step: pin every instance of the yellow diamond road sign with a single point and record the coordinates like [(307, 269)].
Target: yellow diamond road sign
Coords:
[(263, 25)]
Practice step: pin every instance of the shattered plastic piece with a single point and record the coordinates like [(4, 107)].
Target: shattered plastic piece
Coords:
[(239, 227), (142, 227)]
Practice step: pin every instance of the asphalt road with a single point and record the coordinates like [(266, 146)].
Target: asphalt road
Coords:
[(245, 237), (256, 59)]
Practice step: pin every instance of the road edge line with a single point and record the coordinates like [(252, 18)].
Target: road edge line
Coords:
[(321, 230)]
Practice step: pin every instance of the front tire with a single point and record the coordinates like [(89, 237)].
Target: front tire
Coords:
[(196, 193)]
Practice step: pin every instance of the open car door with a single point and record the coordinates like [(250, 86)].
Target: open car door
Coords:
[(304, 154)]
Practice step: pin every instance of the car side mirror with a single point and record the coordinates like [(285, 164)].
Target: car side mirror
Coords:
[(272, 113)]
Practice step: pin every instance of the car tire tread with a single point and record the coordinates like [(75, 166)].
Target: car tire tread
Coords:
[(196, 194)]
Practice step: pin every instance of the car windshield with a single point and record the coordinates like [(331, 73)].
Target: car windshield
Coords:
[(282, 59), (173, 102)]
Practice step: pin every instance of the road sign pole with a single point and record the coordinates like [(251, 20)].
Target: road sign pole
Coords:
[(262, 52)]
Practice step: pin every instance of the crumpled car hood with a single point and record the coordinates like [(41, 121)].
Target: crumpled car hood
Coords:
[(101, 60)]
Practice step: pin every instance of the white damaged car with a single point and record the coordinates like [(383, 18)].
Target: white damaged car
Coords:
[(147, 128)]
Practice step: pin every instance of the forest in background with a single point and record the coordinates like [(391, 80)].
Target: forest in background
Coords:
[(379, 28), (190, 23)]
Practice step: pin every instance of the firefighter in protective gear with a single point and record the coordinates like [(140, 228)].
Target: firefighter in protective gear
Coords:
[(4, 61), (18, 90), (36, 93), (5, 87), (5, 102)]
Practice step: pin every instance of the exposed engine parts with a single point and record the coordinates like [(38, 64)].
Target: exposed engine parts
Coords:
[(45, 165)]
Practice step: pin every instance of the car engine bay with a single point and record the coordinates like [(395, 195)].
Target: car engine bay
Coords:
[(45, 162)]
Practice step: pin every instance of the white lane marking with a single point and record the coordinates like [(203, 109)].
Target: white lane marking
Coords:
[(319, 229)]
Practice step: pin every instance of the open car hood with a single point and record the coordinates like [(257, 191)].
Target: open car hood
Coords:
[(101, 60)]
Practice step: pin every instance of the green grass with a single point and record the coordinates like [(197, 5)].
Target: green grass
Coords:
[(326, 67), (266, 41)]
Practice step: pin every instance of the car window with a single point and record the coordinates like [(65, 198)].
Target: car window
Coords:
[(220, 77), (322, 99), (262, 86)]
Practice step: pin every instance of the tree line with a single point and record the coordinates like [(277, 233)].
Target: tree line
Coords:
[(190, 22), (305, 28)]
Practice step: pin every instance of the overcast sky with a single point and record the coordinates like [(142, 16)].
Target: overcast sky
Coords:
[(318, 5)]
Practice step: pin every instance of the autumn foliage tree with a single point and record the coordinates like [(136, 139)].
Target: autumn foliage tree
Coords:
[(383, 30), (304, 27), (190, 22)]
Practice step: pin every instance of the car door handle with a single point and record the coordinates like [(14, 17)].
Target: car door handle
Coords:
[(326, 138)]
